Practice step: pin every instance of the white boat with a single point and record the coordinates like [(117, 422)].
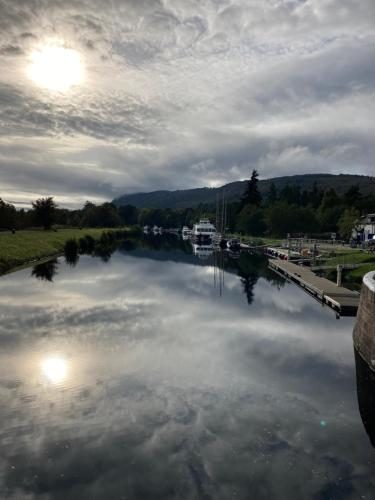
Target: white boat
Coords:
[(203, 231), (186, 231), (146, 229), (234, 244)]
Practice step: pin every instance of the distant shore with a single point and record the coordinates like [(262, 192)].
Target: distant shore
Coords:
[(26, 247)]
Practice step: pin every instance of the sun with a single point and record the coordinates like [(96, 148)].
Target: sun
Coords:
[(55, 369), (56, 68)]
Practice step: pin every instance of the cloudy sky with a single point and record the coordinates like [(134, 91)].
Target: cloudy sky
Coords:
[(101, 98)]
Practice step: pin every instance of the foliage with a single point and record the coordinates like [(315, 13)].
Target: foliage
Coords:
[(252, 195), (282, 218), (105, 215), (193, 198), (8, 215), (251, 221), (128, 214), (25, 246), (44, 212), (347, 222)]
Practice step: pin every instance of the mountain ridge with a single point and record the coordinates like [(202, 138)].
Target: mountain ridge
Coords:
[(185, 198)]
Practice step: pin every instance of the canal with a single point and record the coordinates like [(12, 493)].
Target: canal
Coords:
[(160, 373)]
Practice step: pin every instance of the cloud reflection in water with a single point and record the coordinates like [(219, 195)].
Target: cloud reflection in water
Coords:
[(205, 396)]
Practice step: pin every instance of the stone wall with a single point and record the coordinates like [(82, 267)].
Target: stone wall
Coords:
[(364, 330)]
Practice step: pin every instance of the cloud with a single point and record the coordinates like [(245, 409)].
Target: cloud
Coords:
[(284, 86)]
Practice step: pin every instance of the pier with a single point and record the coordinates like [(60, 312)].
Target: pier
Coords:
[(343, 301)]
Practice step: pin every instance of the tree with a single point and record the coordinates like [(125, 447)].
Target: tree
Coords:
[(252, 195), (291, 194), (282, 218), (347, 222), (44, 212), (8, 215), (330, 200), (105, 215), (251, 221), (272, 194), (128, 214), (353, 197), (315, 196)]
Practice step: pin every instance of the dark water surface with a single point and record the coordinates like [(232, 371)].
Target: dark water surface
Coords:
[(144, 376)]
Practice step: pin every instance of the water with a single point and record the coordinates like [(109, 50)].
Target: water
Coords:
[(151, 375)]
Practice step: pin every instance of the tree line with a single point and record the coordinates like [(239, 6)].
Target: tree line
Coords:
[(295, 211), (274, 213)]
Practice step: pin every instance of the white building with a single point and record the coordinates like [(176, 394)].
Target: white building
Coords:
[(365, 228)]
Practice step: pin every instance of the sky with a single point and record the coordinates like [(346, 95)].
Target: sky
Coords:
[(100, 98)]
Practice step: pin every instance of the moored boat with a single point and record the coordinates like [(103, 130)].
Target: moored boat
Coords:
[(234, 244), (204, 231)]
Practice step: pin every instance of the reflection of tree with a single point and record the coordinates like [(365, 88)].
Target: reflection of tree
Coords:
[(105, 251), (274, 278), (248, 282), (45, 271), (167, 242), (71, 257), (128, 245), (366, 395)]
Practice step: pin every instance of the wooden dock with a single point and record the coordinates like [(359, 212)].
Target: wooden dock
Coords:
[(343, 301)]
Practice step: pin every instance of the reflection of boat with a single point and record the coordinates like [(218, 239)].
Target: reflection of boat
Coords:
[(234, 254), (186, 231), (366, 395), (234, 244), (204, 231), (203, 251)]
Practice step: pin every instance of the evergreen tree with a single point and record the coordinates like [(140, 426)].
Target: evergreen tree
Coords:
[(272, 194), (353, 196), (330, 200), (252, 195)]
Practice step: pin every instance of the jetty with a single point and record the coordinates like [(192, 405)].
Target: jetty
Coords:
[(345, 302)]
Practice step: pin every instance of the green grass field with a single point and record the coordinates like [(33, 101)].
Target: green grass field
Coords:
[(28, 246), (365, 260)]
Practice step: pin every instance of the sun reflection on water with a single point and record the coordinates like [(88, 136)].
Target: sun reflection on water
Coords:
[(55, 369)]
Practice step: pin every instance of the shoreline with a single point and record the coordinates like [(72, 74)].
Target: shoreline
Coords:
[(26, 248)]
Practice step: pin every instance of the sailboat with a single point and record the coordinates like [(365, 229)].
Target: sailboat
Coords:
[(221, 221)]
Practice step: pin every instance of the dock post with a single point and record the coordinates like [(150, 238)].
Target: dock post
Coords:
[(339, 275)]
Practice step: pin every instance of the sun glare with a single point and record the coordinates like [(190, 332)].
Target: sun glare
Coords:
[(55, 369), (56, 68)]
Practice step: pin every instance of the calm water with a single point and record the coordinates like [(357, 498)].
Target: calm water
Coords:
[(152, 375)]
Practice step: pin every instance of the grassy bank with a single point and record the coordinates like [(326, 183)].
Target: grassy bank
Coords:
[(29, 246), (365, 260), (257, 240)]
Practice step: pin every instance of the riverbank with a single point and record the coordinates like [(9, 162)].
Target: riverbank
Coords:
[(256, 240), (26, 247), (351, 277)]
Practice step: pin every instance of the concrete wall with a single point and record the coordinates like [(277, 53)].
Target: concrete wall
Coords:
[(364, 330)]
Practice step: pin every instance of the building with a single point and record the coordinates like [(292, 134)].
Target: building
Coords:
[(364, 230)]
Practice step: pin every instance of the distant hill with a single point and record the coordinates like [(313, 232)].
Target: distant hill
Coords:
[(192, 197)]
